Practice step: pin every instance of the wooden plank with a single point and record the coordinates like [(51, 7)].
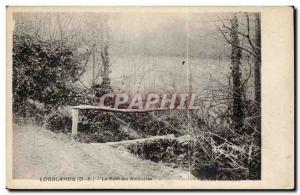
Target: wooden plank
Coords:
[(142, 140), (88, 107), (180, 139), (75, 113)]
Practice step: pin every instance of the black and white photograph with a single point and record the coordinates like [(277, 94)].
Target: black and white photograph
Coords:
[(136, 94)]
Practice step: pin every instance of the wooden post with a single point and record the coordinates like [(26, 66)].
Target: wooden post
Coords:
[(74, 121)]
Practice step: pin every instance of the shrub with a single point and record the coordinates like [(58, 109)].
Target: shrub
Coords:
[(170, 150), (44, 72), (59, 121)]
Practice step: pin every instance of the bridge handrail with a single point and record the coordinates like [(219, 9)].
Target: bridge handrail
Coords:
[(89, 107)]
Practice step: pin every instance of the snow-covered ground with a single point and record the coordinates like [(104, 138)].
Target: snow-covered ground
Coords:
[(40, 153)]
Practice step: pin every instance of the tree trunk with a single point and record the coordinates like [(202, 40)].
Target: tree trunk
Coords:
[(105, 60), (102, 39), (105, 56), (236, 54), (257, 63)]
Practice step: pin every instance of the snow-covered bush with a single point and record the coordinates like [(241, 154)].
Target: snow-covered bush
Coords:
[(43, 72)]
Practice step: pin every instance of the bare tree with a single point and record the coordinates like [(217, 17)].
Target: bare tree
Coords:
[(100, 56), (257, 62), (249, 42), (105, 55), (236, 54)]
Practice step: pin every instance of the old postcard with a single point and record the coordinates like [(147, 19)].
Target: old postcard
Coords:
[(150, 98)]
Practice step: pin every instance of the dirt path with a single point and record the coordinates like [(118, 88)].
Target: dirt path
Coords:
[(41, 153)]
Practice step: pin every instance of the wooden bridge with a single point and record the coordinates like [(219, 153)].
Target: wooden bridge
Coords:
[(76, 109)]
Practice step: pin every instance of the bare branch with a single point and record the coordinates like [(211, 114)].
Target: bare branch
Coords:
[(228, 41), (248, 34)]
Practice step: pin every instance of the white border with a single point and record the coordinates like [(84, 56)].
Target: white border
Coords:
[(3, 3)]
